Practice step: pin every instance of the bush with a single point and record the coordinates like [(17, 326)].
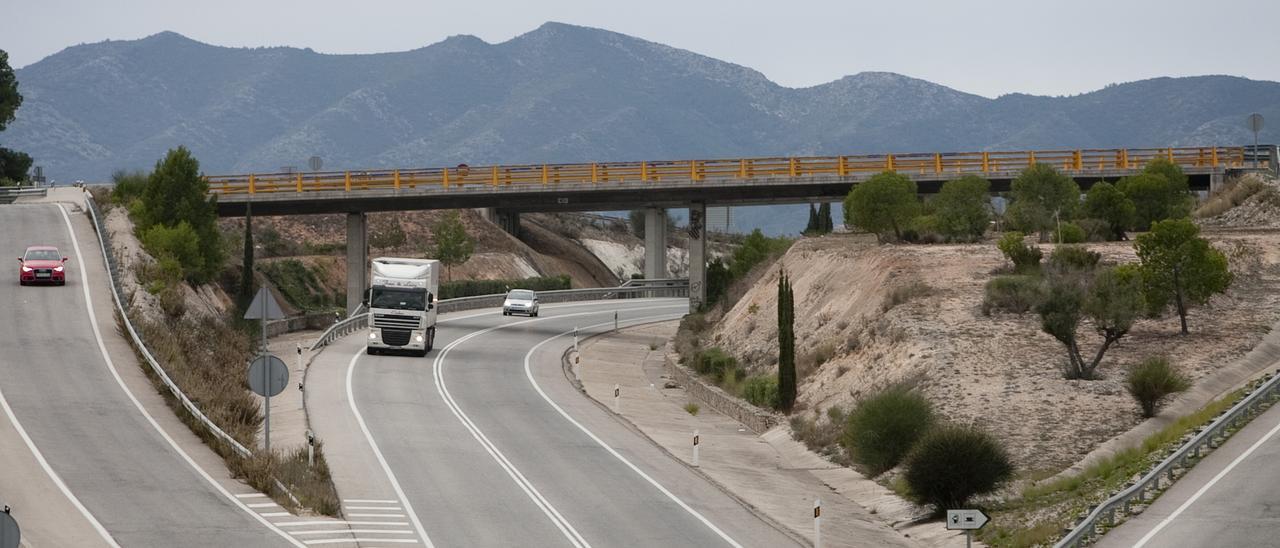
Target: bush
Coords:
[(127, 186), (1069, 233), (691, 408), (469, 288), (903, 293), (1095, 230), (882, 428), (925, 229), (755, 248), (885, 204), (1232, 194), (715, 363), (179, 243), (761, 391), (299, 284), (1025, 258), (1073, 258), (952, 464), (1016, 294), (963, 208), (1151, 381)]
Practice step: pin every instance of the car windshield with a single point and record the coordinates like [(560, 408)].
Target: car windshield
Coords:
[(402, 299), (520, 295), (43, 255)]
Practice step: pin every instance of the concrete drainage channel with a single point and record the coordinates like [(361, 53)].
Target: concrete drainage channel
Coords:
[(1116, 509)]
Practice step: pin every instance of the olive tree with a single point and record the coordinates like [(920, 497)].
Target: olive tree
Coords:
[(1108, 204), (1041, 196), (1112, 300), (962, 208)]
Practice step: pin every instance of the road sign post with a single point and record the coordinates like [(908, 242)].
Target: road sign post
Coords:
[(817, 523), (1255, 125), (266, 368), (967, 521)]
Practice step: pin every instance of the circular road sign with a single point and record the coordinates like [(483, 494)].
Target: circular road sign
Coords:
[(9, 534), (1255, 122), (268, 375)]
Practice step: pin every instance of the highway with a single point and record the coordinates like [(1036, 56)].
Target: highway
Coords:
[(1231, 498), (485, 443), (83, 462)]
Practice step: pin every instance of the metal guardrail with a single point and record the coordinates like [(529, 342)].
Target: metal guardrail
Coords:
[(675, 287), (1112, 511), (938, 163), (9, 194), (117, 295)]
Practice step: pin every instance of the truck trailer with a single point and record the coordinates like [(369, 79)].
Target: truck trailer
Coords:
[(402, 305)]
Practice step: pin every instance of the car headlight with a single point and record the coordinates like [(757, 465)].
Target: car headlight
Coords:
[(373, 334), (418, 338), (26, 269), (57, 269)]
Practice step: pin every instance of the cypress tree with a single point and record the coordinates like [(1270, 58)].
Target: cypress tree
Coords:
[(825, 225), (786, 345), (246, 274), (813, 226)]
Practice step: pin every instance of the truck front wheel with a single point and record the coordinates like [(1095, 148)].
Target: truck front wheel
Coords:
[(431, 340)]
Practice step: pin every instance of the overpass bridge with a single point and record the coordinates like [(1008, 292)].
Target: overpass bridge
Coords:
[(505, 191)]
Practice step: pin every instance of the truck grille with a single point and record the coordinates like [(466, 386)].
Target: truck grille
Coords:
[(395, 337), (395, 321)]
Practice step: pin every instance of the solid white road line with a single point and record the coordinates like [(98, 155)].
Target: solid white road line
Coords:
[(275, 514), (1166, 521), (338, 522), (102, 347), (359, 540), (373, 508), (370, 501), (382, 461), (376, 515), (250, 495), (529, 373), (263, 505), (350, 531)]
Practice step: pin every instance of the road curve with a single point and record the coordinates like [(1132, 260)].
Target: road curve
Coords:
[(1231, 498), (491, 446), (95, 439)]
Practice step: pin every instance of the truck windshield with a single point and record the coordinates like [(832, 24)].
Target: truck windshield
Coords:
[(402, 299)]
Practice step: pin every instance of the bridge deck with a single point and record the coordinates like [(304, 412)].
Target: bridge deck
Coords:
[(629, 185)]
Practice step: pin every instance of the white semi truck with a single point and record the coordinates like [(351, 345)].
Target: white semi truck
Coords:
[(402, 299)]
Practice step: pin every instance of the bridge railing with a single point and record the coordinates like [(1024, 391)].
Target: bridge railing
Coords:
[(675, 287), (941, 163)]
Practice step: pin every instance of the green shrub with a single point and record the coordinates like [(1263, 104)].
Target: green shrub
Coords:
[(1025, 258), (469, 288), (298, 284), (952, 464), (1073, 258), (691, 408), (925, 229), (1069, 233), (179, 243), (1151, 381), (882, 428), (904, 293), (1095, 230), (715, 363), (1016, 294), (755, 248), (127, 186), (761, 391)]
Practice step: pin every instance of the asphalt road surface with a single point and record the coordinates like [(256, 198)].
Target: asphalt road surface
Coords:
[(1231, 498), (58, 386), (486, 443)]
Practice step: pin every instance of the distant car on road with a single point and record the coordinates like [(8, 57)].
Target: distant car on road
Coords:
[(521, 301), (42, 264)]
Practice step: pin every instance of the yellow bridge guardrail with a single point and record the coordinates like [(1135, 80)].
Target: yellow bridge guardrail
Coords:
[(942, 163)]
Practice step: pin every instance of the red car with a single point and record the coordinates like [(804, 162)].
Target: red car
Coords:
[(42, 264)]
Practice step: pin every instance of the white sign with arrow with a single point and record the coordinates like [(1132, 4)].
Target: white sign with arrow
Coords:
[(967, 521)]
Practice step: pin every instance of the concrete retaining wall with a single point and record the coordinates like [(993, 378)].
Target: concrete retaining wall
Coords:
[(319, 320), (758, 420)]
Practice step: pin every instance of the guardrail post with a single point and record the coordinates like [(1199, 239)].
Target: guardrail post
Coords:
[(842, 167), (346, 180), (444, 177), (299, 182), (494, 173), (252, 184), (888, 162), (1079, 160), (937, 162), (545, 174), (644, 171), (1031, 158), (793, 167), (396, 176)]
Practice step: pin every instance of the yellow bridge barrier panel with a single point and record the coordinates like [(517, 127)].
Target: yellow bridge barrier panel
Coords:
[(299, 185)]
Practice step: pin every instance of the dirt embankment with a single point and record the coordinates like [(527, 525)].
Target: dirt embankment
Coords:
[(1000, 372)]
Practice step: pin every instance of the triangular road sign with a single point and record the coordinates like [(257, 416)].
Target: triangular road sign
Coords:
[(264, 305)]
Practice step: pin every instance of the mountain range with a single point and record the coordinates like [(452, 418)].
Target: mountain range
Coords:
[(559, 93)]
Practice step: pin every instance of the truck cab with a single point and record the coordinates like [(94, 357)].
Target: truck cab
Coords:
[(402, 299)]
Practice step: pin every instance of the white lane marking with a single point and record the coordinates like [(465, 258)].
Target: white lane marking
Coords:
[(376, 515), (361, 540), (250, 496), (373, 508), (351, 531), (102, 347), (275, 514), (263, 505), (371, 501), (48, 470), (339, 522), (382, 461), (529, 373), (1166, 521)]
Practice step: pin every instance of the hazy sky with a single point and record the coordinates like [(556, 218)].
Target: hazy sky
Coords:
[(984, 47)]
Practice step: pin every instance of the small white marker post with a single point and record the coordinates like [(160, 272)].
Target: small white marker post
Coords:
[(695, 448), (615, 320), (817, 523), (617, 399), (311, 449), (299, 356), (575, 338)]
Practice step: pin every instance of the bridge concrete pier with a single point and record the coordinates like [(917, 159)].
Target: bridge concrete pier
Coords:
[(655, 243), (507, 220), (357, 260), (697, 256)]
